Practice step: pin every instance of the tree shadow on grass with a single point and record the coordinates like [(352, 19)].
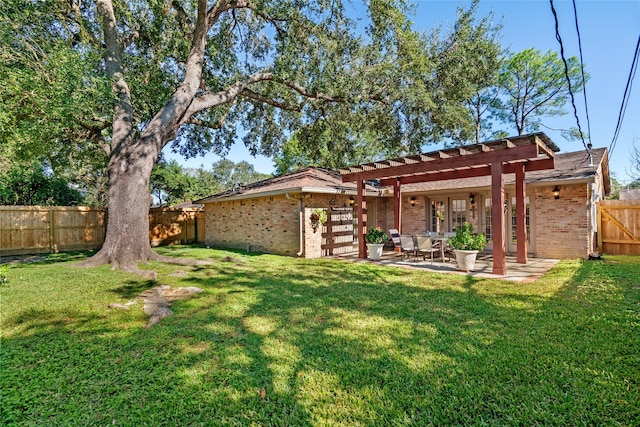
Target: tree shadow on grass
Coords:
[(318, 343), (132, 288), (46, 258)]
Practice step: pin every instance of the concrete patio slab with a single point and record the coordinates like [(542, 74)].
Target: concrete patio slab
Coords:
[(530, 272)]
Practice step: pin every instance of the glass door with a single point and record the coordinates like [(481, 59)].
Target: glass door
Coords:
[(437, 216), (512, 236), (487, 219)]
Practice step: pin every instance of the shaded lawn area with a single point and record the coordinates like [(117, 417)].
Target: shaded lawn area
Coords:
[(284, 341)]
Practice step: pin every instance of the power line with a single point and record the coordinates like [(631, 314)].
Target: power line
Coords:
[(584, 82), (566, 73), (625, 97)]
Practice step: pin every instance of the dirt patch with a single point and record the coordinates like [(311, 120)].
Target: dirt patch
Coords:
[(156, 301)]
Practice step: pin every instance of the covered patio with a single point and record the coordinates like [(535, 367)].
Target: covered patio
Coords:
[(516, 155)]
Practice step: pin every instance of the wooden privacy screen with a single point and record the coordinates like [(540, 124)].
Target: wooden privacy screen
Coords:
[(619, 227), (47, 229)]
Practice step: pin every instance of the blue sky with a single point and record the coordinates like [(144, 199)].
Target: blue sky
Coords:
[(609, 32)]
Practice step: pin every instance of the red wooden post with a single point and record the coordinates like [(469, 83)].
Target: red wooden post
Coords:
[(397, 205), (521, 214), (362, 220), (497, 219)]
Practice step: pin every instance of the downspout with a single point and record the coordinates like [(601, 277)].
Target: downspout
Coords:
[(300, 221)]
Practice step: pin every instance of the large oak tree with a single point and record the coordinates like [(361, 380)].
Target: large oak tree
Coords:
[(116, 81)]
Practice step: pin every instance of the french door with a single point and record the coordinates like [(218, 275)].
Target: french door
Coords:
[(510, 224)]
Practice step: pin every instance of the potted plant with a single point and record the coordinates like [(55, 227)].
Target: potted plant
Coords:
[(376, 239), (466, 246), (318, 217)]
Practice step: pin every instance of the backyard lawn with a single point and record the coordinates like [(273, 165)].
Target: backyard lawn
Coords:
[(283, 341)]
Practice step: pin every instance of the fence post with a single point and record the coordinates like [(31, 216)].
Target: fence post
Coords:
[(52, 233), (599, 230)]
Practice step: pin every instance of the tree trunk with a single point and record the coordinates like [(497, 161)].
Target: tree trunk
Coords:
[(127, 238)]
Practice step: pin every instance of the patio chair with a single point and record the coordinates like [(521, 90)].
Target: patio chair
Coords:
[(395, 236), (408, 245), (447, 249), (424, 246)]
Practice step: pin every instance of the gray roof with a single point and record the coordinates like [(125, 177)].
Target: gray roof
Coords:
[(309, 180)]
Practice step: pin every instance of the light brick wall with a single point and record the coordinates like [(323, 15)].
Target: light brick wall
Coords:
[(414, 218), (561, 226), (265, 224), (272, 225)]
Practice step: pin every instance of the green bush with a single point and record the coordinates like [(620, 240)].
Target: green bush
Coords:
[(376, 236), (466, 240)]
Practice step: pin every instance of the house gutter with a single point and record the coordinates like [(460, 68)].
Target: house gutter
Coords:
[(300, 221)]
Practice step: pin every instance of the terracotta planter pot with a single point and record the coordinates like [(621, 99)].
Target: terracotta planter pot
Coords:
[(466, 259), (375, 250)]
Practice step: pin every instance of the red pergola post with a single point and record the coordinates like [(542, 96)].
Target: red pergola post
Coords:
[(497, 219), (521, 215), (397, 205), (362, 220)]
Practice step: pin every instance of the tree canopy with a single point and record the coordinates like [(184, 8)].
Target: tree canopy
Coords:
[(534, 85), (30, 184)]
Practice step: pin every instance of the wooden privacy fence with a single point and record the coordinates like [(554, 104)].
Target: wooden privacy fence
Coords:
[(47, 229), (169, 226), (619, 227)]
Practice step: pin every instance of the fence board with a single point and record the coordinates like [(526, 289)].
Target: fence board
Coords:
[(619, 227), (45, 229)]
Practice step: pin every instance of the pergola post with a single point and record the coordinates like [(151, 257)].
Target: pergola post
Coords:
[(362, 220), (521, 215), (497, 219), (397, 205)]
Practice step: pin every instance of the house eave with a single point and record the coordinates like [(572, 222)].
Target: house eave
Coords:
[(296, 190)]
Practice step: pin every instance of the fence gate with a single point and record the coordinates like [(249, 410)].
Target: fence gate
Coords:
[(619, 227)]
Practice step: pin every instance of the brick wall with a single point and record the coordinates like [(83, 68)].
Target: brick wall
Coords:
[(265, 224), (414, 218), (561, 226), (272, 225)]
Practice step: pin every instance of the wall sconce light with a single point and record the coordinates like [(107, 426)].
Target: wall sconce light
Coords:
[(472, 198), (413, 201), (351, 200), (506, 207), (556, 192)]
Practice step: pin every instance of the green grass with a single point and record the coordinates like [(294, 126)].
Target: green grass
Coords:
[(330, 343)]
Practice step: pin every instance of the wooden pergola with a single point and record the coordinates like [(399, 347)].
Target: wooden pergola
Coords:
[(516, 155)]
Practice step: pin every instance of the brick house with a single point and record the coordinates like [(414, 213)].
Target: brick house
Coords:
[(273, 216)]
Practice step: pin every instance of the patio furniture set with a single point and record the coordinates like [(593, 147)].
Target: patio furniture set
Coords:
[(432, 244)]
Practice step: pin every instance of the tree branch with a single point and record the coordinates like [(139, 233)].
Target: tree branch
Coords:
[(261, 98), (318, 96), (183, 17), (219, 98), (204, 123), (213, 14), (123, 111)]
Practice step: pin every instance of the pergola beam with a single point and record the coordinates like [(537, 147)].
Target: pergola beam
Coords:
[(513, 154), (530, 166)]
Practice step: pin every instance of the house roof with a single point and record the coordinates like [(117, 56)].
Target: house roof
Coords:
[(569, 167), (307, 180), (187, 205)]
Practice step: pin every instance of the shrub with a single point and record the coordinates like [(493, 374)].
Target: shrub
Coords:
[(466, 240), (376, 236)]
